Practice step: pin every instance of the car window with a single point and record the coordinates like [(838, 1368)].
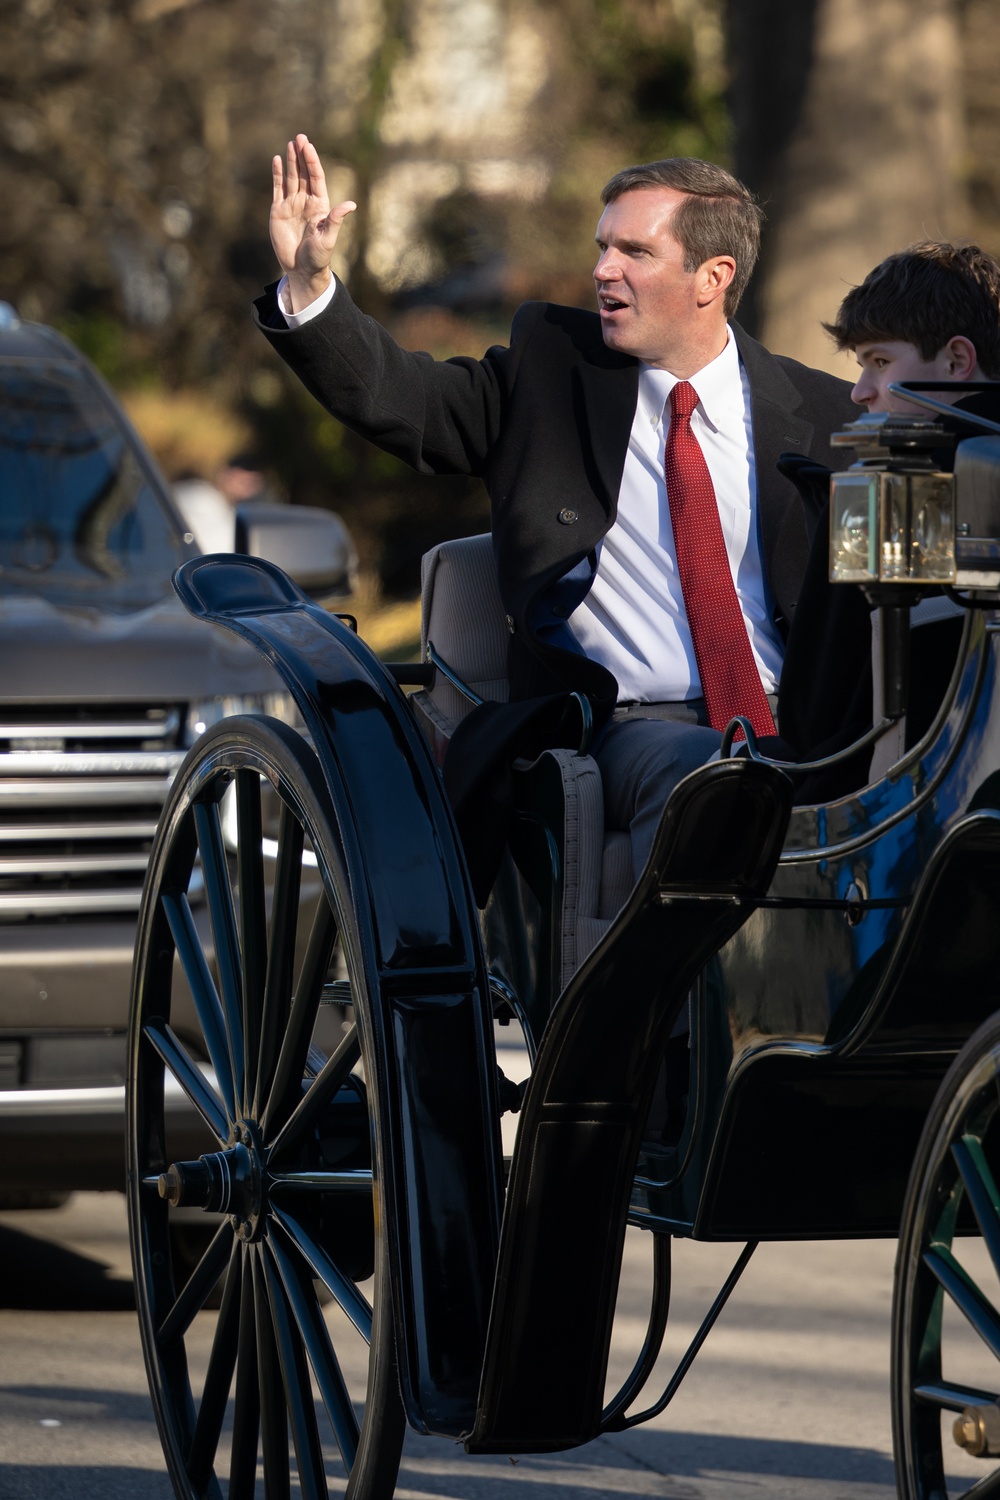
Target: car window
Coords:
[(79, 520)]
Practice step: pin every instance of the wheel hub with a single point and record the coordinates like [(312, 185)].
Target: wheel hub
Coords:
[(977, 1430), (222, 1182)]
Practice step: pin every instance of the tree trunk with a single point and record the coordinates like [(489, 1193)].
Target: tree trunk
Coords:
[(848, 117)]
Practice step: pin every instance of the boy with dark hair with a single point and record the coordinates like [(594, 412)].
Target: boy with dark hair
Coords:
[(931, 312)]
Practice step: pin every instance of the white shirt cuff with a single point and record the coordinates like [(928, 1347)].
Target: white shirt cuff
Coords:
[(296, 319)]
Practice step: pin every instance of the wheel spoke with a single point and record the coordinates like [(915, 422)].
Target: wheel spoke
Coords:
[(322, 1357), (353, 1180), (281, 952), (982, 1192), (253, 914), (204, 993), (967, 1297), (951, 1397), (274, 1423), (341, 1288), (227, 1037), (987, 1488), (298, 1387), (286, 1087), (227, 951), (324, 1087), (164, 1041), (246, 1408), (218, 1376), (191, 1298)]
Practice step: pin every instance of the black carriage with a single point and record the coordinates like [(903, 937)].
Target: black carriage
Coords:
[(313, 973)]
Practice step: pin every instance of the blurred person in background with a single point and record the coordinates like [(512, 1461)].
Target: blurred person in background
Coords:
[(208, 506)]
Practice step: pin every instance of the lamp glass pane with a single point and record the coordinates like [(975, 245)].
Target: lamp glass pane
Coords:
[(894, 545), (917, 528), (932, 527), (854, 527)]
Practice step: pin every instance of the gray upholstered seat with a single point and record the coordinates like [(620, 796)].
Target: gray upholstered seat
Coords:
[(463, 619)]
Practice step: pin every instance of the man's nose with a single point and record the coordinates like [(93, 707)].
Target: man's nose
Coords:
[(607, 268)]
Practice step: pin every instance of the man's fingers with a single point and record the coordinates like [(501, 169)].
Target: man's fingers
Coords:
[(278, 180), (339, 214), (311, 167), (292, 183)]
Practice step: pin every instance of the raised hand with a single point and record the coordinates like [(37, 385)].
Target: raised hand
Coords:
[(304, 228)]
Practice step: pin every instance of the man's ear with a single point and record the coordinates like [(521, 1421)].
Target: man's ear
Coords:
[(960, 357), (715, 276)]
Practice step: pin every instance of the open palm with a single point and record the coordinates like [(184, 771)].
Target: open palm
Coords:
[(304, 228)]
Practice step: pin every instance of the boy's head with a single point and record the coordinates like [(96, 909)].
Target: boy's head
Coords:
[(928, 313)]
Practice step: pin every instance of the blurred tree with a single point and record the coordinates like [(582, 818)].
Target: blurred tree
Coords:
[(474, 134), (980, 27), (136, 172), (849, 123)]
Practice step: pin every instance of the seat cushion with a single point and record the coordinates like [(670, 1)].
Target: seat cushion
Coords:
[(462, 616)]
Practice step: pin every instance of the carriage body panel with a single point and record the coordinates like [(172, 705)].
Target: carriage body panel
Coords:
[(823, 1028), (430, 1021), (837, 958)]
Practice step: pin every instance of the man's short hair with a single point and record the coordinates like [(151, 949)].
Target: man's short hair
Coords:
[(925, 296), (718, 217)]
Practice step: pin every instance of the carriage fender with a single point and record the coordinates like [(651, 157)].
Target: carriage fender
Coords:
[(428, 1012)]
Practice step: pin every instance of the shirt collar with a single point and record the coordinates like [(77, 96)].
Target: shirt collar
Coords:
[(718, 385)]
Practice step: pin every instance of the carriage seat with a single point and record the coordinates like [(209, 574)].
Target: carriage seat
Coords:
[(463, 619)]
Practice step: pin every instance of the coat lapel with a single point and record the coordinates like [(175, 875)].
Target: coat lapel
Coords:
[(610, 389), (777, 429)]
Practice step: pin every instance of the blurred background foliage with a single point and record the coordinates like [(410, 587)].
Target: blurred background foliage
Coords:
[(475, 136)]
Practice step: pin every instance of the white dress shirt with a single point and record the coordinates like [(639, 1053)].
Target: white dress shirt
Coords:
[(633, 620), (296, 319)]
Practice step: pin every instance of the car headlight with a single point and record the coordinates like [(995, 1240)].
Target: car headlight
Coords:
[(202, 714)]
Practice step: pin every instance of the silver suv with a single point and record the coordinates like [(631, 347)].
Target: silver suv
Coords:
[(105, 684)]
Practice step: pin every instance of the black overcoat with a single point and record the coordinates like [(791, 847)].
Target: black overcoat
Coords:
[(545, 423)]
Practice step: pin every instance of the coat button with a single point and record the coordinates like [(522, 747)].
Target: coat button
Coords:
[(510, 623), (567, 516)]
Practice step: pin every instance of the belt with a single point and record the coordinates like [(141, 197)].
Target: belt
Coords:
[(686, 711)]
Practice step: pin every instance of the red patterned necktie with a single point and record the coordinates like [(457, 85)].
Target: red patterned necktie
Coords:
[(730, 681)]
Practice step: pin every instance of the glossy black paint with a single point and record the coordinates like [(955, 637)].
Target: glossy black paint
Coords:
[(292, 1171), (434, 1093), (819, 1030), (951, 1212), (588, 1100), (828, 1005)]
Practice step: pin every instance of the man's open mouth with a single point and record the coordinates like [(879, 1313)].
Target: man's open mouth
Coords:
[(610, 304)]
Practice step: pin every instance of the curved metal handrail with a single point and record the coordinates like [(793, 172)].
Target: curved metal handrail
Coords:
[(836, 758)]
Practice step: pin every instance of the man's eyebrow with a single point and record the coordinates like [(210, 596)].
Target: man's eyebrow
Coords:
[(626, 245)]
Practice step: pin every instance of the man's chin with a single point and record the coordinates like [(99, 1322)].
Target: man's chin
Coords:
[(615, 338)]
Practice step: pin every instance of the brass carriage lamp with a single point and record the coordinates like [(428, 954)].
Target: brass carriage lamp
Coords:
[(900, 525), (898, 519), (892, 514)]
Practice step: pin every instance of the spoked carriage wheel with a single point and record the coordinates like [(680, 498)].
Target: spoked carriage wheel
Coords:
[(249, 978), (946, 1312)]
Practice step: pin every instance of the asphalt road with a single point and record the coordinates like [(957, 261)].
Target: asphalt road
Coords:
[(788, 1399)]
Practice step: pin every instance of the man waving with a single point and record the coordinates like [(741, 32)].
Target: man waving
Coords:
[(648, 552)]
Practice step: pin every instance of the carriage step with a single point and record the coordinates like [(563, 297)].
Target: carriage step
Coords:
[(588, 1100)]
